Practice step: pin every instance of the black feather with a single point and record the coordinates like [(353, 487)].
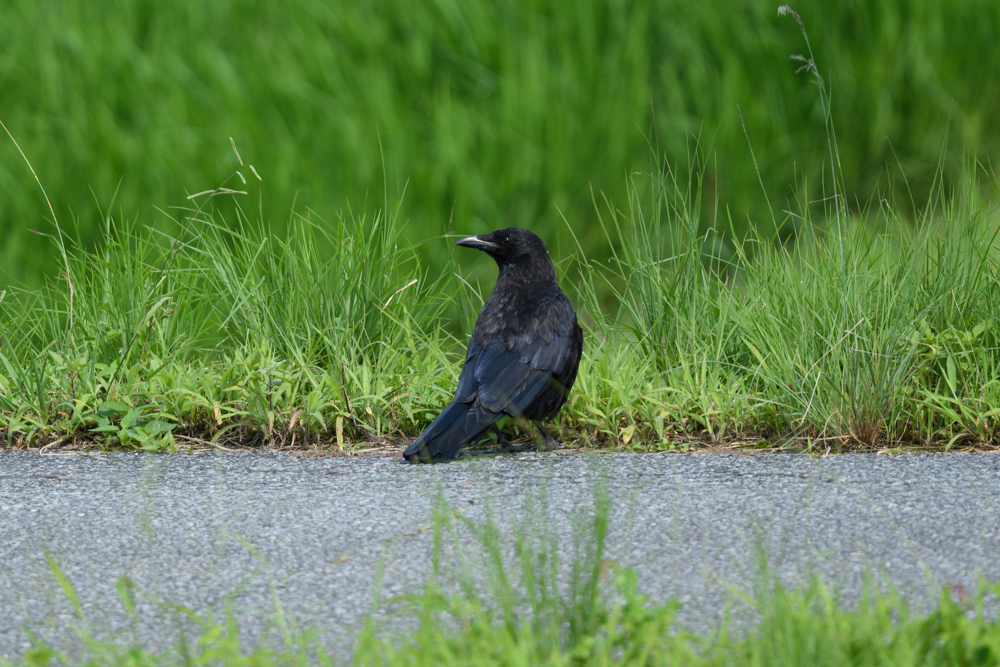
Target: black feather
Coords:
[(524, 352)]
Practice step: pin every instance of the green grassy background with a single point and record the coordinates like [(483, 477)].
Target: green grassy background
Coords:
[(492, 113)]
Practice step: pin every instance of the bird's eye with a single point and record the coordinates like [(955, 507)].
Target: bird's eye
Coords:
[(505, 240)]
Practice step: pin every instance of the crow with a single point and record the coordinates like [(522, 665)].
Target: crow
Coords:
[(524, 352)]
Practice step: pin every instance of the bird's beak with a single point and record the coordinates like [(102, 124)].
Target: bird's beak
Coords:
[(477, 243)]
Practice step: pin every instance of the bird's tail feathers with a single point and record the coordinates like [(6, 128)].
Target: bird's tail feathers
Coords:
[(458, 424)]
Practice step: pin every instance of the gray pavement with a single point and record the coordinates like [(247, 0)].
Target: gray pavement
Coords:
[(193, 529)]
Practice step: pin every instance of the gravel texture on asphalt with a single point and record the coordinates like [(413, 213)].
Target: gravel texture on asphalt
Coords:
[(193, 529)]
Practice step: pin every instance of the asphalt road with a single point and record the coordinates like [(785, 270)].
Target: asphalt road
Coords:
[(190, 530)]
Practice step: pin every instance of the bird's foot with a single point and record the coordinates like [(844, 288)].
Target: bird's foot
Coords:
[(508, 447), (548, 442), (511, 448), (505, 444)]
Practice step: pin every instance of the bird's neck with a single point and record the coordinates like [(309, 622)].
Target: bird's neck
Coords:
[(519, 291), (525, 275)]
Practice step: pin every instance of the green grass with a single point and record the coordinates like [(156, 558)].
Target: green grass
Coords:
[(334, 333), (492, 113), (483, 607)]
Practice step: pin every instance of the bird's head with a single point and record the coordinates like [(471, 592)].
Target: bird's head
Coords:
[(510, 247)]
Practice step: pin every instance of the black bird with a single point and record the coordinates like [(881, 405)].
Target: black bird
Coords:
[(523, 355)]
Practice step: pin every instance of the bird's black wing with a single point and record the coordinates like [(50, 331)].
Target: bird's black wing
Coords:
[(511, 372)]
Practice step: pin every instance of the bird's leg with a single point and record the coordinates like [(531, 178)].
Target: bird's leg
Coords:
[(505, 444), (509, 447), (550, 442)]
